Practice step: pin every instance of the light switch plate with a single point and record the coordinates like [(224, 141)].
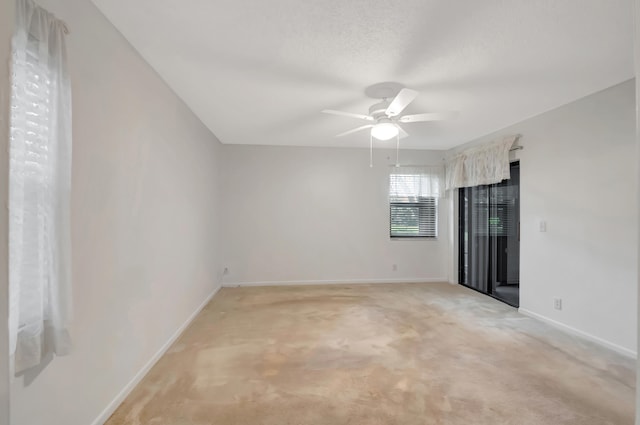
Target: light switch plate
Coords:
[(543, 226)]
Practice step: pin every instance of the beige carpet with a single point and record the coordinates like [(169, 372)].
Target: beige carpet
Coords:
[(400, 354)]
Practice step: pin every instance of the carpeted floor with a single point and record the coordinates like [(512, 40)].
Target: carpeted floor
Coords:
[(405, 354)]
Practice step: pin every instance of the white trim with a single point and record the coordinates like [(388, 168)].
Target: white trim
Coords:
[(115, 403), (610, 345), (333, 282)]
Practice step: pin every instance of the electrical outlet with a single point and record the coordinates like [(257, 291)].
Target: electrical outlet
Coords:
[(394, 267), (557, 303), (225, 271)]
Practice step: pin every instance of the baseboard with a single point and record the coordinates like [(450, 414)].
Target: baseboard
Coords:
[(333, 282), (610, 345), (108, 411)]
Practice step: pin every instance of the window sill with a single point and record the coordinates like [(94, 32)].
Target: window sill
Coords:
[(413, 238)]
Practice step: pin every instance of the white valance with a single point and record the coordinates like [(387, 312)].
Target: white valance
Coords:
[(415, 182), (485, 164)]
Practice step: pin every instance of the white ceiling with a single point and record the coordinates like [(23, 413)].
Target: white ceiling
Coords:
[(260, 71)]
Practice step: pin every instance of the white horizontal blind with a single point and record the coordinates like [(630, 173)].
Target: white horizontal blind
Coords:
[(413, 199), (494, 207), (414, 219), (504, 218)]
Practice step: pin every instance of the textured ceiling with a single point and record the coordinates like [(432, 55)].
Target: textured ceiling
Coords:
[(260, 72)]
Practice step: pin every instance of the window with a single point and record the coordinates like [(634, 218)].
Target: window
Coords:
[(413, 203)]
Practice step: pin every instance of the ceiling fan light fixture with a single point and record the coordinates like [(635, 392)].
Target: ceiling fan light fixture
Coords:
[(384, 131)]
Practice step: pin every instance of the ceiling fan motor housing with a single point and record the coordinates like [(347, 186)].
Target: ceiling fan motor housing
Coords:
[(377, 111)]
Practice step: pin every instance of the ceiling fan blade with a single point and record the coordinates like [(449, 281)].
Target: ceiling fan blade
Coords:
[(348, 114), (401, 101), (402, 133), (430, 116), (354, 130)]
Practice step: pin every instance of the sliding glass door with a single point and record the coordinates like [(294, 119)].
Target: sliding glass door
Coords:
[(489, 230)]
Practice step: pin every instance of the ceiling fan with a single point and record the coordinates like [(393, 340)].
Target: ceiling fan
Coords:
[(386, 116)]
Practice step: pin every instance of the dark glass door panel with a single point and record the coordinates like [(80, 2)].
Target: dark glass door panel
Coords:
[(489, 225)]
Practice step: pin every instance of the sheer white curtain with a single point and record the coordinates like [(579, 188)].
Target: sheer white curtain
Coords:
[(485, 164), (39, 189), (414, 181)]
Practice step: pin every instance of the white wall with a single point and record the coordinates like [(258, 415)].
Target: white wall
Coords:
[(578, 172), (6, 25), (144, 206), (295, 215)]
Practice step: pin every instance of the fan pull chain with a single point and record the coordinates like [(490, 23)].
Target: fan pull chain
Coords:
[(398, 150), (370, 151)]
